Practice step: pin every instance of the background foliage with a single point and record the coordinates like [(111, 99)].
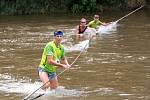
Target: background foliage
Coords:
[(25, 7)]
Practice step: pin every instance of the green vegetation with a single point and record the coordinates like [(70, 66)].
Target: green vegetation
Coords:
[(148, 2), (27, 7)]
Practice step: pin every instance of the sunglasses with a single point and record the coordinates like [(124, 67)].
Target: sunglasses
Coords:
[(96, 17), (83, 22)]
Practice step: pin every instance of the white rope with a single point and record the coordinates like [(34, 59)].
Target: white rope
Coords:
[(129, 14), (27, 97)]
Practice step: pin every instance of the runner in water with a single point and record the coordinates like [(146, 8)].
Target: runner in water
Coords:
[(53, 57)]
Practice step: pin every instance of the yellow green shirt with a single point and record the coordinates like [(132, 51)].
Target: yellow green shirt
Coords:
[(94, 24), (56, 52)]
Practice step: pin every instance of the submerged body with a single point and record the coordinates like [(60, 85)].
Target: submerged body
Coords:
[(83, 31), (95, 23)]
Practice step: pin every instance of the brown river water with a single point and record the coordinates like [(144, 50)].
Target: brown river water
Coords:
[(115, 66)]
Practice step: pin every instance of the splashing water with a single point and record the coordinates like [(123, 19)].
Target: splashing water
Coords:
[(78, 47), (108, 28), (11, 85)]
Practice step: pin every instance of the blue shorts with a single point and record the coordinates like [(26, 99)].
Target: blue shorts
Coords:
[(50, 75)]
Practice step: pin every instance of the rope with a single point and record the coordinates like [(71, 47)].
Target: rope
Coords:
[(129, 14), (27, 97)]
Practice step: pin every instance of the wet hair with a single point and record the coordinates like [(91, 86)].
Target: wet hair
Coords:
[(83, 19)]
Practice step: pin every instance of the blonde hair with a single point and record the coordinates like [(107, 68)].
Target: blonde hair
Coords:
[(96, 16), (83, 19)]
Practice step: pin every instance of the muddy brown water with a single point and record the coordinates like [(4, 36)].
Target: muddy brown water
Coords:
[(116, 66)]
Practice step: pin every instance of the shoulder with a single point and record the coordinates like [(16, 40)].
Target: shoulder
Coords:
[(99, 21), (91, 22), (78, 26), (49, 45)]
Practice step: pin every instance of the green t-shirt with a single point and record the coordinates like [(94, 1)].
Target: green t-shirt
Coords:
[(94, 24), (56, 52)]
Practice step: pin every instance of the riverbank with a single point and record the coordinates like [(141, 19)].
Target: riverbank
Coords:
[(46, 7)]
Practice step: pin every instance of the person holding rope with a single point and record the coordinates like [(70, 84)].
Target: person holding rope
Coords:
[(53, 62), (53, 57), (82, 27), (83, 30), (96, 22)]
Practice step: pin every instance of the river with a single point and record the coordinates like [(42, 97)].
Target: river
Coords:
[(115, 66)]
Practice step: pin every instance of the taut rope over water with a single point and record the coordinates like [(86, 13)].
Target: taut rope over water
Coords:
[(28, 96), (129, 14)]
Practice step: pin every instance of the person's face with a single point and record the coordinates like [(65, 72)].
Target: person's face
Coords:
[(83, 23), (58, 38), (96, 18)]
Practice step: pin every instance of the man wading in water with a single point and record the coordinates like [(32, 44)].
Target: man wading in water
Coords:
[(53, 56), (82, 30)]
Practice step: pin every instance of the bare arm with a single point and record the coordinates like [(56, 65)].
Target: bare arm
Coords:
[(77, 30), (103, 23), (64, 61), (52, 62)]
